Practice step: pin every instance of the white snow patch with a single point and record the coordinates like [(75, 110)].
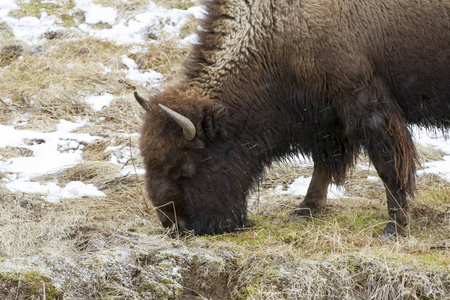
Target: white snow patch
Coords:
[(373, 178), (438, 140), (106, 70), (51, 152), (336, 192), (434, 138), (74, 189), (6, 6), (154, 21), (441, 168), (199, 12), (121, 155), (30, 30), (176, 271), (8, 101), (99, 102), (300, 187), (131, 64), (126, 170), (150, 79), (95, 13), (44, 161)]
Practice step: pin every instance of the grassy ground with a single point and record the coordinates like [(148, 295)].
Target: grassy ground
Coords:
[(113, 247)]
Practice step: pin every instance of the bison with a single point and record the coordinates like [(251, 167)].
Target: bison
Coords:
[(270, 79)]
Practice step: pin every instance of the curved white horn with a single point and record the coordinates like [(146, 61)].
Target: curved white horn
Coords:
[(189, 130)]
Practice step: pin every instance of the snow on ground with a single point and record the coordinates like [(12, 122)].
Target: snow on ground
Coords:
[(149, 79), (300, 186), (6, 6), (133, 31), (31, 30), (98, 102), (96, 13), (51, 152), (53, 192), (438, 140)]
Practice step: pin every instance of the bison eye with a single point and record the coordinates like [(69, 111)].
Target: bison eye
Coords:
[(188, 170)]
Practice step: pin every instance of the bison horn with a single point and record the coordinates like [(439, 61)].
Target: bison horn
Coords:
[(142, 101), (189, 130)]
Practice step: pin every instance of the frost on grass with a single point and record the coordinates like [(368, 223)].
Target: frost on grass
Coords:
[(143, 268), (347, 277)]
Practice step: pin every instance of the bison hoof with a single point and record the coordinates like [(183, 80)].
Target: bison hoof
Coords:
[(301, 213), (392, 231), (305, 210)]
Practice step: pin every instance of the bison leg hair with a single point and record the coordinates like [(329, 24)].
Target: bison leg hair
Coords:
[(397, 176), (378, 125), (316, 196)]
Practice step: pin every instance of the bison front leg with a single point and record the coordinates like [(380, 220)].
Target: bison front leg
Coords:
[(316, 196)]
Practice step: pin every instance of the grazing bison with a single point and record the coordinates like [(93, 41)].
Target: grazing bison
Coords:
[(269, 79)]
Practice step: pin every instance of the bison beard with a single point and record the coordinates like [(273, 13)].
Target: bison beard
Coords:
[(268, 80)]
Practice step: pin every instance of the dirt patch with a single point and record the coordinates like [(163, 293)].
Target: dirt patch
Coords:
[(206, 281), (9, 53)]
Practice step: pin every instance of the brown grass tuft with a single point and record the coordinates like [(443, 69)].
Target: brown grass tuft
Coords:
[(427, 154), (94, 172)]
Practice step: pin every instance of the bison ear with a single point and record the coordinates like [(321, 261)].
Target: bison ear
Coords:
[(213, 124)]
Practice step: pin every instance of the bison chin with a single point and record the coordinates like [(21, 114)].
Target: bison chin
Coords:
[(199, 220), (209, 224), (207, 212)]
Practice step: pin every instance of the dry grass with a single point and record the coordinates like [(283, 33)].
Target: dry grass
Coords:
[(113, 247), (162, 57), (93, 172)]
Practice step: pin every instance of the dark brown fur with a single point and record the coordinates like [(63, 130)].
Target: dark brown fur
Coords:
[(274, 78)]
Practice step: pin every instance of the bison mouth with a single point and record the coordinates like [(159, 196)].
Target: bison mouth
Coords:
[(197, 224), (199, 220)]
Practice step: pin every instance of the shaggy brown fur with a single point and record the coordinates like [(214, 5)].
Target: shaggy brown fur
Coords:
[(321, 78)]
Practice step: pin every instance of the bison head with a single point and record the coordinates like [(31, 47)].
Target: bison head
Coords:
[(190, 164)]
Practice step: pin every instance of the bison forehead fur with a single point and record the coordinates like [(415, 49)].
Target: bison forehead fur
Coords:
[(273, 78)]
